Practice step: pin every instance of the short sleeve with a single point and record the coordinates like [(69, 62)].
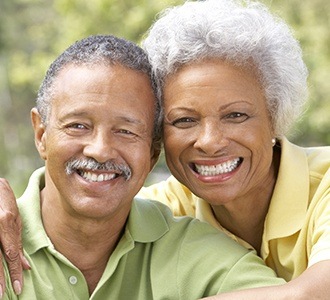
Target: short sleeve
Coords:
[(320, 227)]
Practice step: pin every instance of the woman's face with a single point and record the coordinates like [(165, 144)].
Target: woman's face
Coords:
[(218, 133)]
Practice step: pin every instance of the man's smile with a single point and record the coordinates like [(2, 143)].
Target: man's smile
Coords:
[(97, 177)]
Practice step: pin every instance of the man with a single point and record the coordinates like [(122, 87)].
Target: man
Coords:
[(96, 126)]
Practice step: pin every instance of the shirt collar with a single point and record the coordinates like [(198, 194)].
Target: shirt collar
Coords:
[(29, 205), (289, 202), (146, 223)]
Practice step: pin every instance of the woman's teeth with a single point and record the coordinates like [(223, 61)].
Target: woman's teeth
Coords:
[(226, 167)]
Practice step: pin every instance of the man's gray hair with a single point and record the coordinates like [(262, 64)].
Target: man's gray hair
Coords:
[(99, 50)]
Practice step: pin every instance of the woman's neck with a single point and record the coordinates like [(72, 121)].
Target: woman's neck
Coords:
[(245, 217), (246, 223)]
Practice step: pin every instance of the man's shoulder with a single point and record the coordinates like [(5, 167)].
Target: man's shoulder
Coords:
[(188, 231), (173, 194), (35, 185), (196, 254), (152, 211)]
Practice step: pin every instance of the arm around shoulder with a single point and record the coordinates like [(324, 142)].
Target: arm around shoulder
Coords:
[(217, 264), (314, 283), (10, 236)]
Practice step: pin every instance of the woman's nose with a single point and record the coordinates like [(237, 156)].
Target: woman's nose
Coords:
[(210, 138)]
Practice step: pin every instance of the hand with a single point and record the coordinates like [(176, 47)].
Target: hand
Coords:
[(10, 239)]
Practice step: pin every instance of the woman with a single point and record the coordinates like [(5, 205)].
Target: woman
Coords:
[(233, 81)]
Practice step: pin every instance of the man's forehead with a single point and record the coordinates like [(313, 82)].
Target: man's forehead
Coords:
[(98, 85)]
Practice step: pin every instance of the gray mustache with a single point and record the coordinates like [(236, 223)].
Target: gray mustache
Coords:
[(90, 164)]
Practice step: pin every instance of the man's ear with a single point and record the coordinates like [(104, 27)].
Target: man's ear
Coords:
[(39, 133)]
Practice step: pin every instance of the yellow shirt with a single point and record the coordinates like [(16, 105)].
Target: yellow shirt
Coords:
[(297, 226)]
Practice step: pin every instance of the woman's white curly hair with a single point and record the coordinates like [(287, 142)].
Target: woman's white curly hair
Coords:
[(240, 32)]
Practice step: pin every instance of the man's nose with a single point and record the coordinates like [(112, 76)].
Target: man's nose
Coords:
[(101, 146)]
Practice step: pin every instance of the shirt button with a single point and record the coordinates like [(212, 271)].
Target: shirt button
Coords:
[(73, 280)]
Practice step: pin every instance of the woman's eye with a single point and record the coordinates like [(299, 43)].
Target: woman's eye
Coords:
[(125, 132), (184, 122), (237, 117)]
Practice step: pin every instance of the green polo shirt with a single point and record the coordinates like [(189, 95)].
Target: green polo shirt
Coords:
[(158, 257)]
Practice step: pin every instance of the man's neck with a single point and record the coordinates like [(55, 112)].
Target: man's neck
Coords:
[(87, 243)]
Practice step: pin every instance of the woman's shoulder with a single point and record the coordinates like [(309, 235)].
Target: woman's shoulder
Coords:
[(318, 158)]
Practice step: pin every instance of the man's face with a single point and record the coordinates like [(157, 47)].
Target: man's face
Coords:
[(104, 114)]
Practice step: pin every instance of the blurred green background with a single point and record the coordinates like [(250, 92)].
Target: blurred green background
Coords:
[(34, 32)]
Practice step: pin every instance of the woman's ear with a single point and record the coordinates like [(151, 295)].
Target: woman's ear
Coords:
[(39, 133)]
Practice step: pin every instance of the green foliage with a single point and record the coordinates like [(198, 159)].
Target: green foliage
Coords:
[(34, 32), (311, 23)]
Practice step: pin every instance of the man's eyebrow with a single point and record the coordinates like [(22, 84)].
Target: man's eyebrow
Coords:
[(77, 113), (125, 119), (74, 114), (128, 119)]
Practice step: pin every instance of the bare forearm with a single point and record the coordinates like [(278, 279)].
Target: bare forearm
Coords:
[(266, 293), (10, 238), (314, 283)]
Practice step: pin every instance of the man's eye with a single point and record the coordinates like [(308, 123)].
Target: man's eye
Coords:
[(76, 129), (76, 126), (185, 122)]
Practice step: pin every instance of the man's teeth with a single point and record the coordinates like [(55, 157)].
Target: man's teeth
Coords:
[(226, 167), (97, 177)]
